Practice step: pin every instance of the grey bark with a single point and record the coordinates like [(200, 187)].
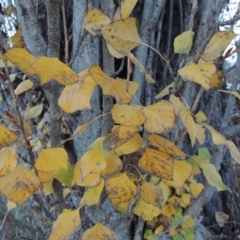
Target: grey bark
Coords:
[(87, 54), (31, 30), (108, 8), (150, 16)]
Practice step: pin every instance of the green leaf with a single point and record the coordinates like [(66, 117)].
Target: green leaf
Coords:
[(183, 42), (35, 111), (189, 234), (148, 234), (204, 153), (65, 176), (178, 237), (213, 177)]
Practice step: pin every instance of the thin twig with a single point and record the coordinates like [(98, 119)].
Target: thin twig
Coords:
[(193, 12), (18, 113), (197, 99), (66, 57), (231, 21), (119, 70), (169, 39)]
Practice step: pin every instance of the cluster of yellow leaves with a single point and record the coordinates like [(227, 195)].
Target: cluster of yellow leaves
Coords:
[(121, 35), (100, 167), (205, 73)]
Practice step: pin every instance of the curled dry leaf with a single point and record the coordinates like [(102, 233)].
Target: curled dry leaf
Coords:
[(221, 218)]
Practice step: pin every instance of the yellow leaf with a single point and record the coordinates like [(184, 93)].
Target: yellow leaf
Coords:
[(168, 210), (187, 222), (66, 224), (132, 145), (189, 124), (160, 117), (200, 117), (217, 45), (65, 176), (159, 230), (10, 205), (122, 33), (52, 159), (200, 134), (109, 85), (216, 80), (46, 176), (174, 200), (16, 38), (92, 161), (235, 154), (217, 138), (125, 9), (77, 96), (118, 137), (128, 115), (183, 42), (92, 194), (35, 111), (120, 189), (6, 136), (151, 194), (94, 21), (177, 104), (196, 189), (47, 188), (19, 185), (99, 232), (200, 73), (185, 200), (157, 163), (8, 162), (125, 206), (213, 177), (130, 87), (22, 58), (23, 87), (53, 69), (165, 191), (165, 145), (114, 165), (182, 171), (146, 210), (165, 91), (92, 179)]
